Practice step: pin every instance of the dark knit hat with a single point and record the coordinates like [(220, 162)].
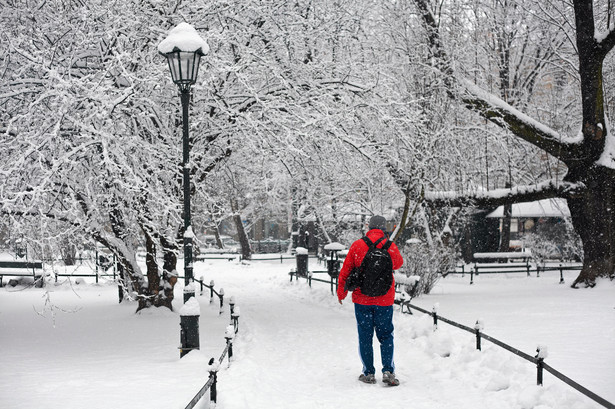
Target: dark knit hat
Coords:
[(377, 222)]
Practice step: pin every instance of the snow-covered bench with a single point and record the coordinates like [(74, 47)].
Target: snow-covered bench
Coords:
[(501, 262), (503, 256), (15, 268)]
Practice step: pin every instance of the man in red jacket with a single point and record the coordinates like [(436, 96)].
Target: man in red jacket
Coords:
[(372, 313)]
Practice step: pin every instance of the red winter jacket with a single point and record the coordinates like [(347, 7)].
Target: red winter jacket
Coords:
[(357, 251)]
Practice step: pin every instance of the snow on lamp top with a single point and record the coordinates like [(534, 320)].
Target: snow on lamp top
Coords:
[(185, 38), (183, 49)]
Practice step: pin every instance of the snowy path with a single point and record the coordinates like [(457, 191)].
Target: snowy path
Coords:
[(297, 348)]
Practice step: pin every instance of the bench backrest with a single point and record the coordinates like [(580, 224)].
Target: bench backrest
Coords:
[(21, 264)]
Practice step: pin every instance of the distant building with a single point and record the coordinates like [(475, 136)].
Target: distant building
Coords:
[(530, 217)]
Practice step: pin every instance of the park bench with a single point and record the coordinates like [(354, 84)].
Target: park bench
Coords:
[(503, 256), (501, 262), (14, 268)]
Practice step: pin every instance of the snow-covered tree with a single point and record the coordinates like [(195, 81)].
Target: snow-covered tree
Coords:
[(589, 155)]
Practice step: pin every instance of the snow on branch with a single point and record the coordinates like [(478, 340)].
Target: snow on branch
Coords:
[(606, 39), (503, 114), (545, 190)]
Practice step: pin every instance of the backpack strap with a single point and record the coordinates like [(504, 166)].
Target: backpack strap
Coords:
[(372, 244), (387, 245)]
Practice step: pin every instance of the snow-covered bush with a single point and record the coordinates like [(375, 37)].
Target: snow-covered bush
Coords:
[(427, 262), (554, 242)]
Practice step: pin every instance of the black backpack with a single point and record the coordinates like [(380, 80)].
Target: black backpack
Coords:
[(375, 275)]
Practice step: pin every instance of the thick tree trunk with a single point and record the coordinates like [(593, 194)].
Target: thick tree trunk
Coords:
[(170, 251), (505, 232), (146, 299), (246, 251), (593, 216)]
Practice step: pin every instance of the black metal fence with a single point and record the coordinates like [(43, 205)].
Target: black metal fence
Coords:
[(537, 360), (214, 366), (510, 268)]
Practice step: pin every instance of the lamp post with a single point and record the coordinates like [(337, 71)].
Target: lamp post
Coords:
[(183, 49)]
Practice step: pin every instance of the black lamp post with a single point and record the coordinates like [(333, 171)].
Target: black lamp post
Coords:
[(183, 49)]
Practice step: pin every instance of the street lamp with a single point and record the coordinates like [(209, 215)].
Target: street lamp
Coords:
[(183, 49)]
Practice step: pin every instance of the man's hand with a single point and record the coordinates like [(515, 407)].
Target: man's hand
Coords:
[(340, 301)]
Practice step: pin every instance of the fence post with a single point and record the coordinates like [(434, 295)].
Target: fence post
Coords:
[(561, 274), (472, 274), (235, 318), (229, 335), (527, 266), (213, 372), (211, 291), (221, 301), (435, 316), (537, 270), (478, 327), (231, 304), (309, 276), (540, 355)]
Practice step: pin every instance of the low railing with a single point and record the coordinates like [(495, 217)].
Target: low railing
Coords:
[(510, 268), (214, 366), (212, 382), (537, 360)]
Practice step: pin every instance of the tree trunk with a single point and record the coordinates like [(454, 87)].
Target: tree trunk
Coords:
[(147, 298), (170, 251), (593, 217), (246, 251), (505, 232)]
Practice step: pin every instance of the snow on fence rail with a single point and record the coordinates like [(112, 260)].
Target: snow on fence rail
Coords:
[(538, 360), (510, 268), (213, 369), (229, 335)]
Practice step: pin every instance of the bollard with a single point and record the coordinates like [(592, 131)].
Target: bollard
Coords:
[(189, 326), (561, 275), (211, 291), (302, 261), (435, 316)]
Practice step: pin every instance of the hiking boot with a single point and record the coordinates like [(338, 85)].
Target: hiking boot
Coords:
[(369, 378), (388, 378)]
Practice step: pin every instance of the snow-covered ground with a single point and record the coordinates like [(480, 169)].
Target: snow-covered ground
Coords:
[(73, 346)]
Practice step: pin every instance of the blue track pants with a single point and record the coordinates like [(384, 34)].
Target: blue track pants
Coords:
[(370, 318)]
